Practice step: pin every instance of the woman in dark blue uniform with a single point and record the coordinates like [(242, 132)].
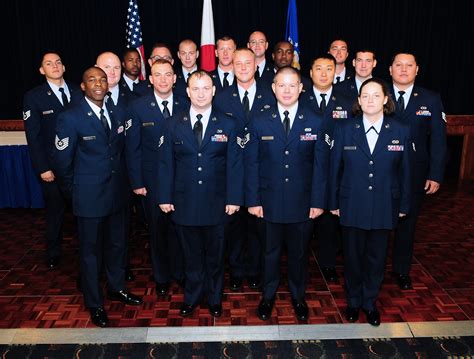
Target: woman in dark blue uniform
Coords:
[(369, 190)]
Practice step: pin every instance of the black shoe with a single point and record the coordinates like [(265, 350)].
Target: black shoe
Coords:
[(215, 310), (403, 281), (373, 317), (264, 310), (53, 263), (253, 281), (162, 288), (235, 283), (129, 275), (301, 309), (352, 314), (79, 283), (99, 317), (125, 297), (186, 310), (330, 274)]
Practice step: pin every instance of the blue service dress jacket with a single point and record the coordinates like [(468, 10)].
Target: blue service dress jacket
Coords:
[(89, 163), (285, 175), (201, 181), (370, 190)]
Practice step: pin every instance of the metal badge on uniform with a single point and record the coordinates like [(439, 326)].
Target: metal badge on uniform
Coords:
[(152, 104), (266, 107), (415, 94), (48, 112), (311, 97), (300, 116), (308, 137), (120, 129), (387, 125), (88, 138), (26, 115), (350, 148), (229, 114), (339, 114), (89, 113), (307, 129), (243, 141), (219, 130), (395, 142), (357, 125), (214, 118), (219, 138), (49, 93), (61, 144), (259, 96), (146, 124), (234, 94), (161, 141), (185, 118), (128, 124), (333, 98), (274, 115), (395, 148), (443, 116), (267, 138)]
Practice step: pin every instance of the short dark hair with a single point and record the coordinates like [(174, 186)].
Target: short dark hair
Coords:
[(162, 62), (226, 38), (47, 52), (364, 50), (324, 55), (129, 50), (403, 53), (157, 45), (199, 74), (286, 70), (388, 108), (277, 45)]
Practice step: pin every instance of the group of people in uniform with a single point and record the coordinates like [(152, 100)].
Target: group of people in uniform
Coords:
[(237, 164)]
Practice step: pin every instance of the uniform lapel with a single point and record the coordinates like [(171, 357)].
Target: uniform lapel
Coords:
[(360, 138), (53, 99), (95, 121), (210, 129), (384, 136), (186, 129), (298, 122), (277, 124)]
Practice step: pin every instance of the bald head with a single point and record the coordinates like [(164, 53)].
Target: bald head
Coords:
[(110, 63)]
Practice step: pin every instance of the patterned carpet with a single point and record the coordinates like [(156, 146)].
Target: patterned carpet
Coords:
[(443, 283), (368, 348)]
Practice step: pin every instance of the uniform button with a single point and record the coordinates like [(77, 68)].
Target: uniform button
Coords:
[(371, 162), (113, 171), (287, 180), (199, 154), (199, 169), (370, 188), (287, 152), (287, 166), (111, 158), (199, 182), (371, 175)]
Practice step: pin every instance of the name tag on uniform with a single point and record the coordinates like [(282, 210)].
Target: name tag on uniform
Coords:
[(267, 138), (48, 112), (219, 138), (424, 113), (88, 138), (350, 148), (339, 114), (395, 148), (178, 142), (145, 124), (308, 137)]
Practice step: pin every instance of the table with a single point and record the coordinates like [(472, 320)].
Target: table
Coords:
[(19, 186)]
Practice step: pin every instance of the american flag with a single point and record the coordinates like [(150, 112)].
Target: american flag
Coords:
[(134, 33)]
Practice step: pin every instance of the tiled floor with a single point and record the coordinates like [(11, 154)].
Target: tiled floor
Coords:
[(443, 279)]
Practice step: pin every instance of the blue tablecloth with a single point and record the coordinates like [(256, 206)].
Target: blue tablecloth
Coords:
[(19, 186)]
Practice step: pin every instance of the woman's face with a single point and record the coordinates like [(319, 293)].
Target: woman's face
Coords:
[(372, 99)]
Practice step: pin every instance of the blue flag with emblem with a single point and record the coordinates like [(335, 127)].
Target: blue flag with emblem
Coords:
[(291, 33)]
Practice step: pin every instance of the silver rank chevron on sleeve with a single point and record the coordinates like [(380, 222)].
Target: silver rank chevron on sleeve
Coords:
[(26, 115), (161, 141), (243, 141), (128, 124), (328, 140), (61, 144)]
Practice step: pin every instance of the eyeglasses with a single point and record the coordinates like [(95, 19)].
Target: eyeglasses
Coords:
[(158, 57), (259, 42)]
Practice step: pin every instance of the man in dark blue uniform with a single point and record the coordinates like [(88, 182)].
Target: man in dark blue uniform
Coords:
[(364, 64), (41, 106), (328, 102), (223, 76), (89, 144), (145, 130), (188, 55), (201, 173), (258, 44), (340, 51), (243, 101), (285, 185), (422, 111), (132, 66)]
